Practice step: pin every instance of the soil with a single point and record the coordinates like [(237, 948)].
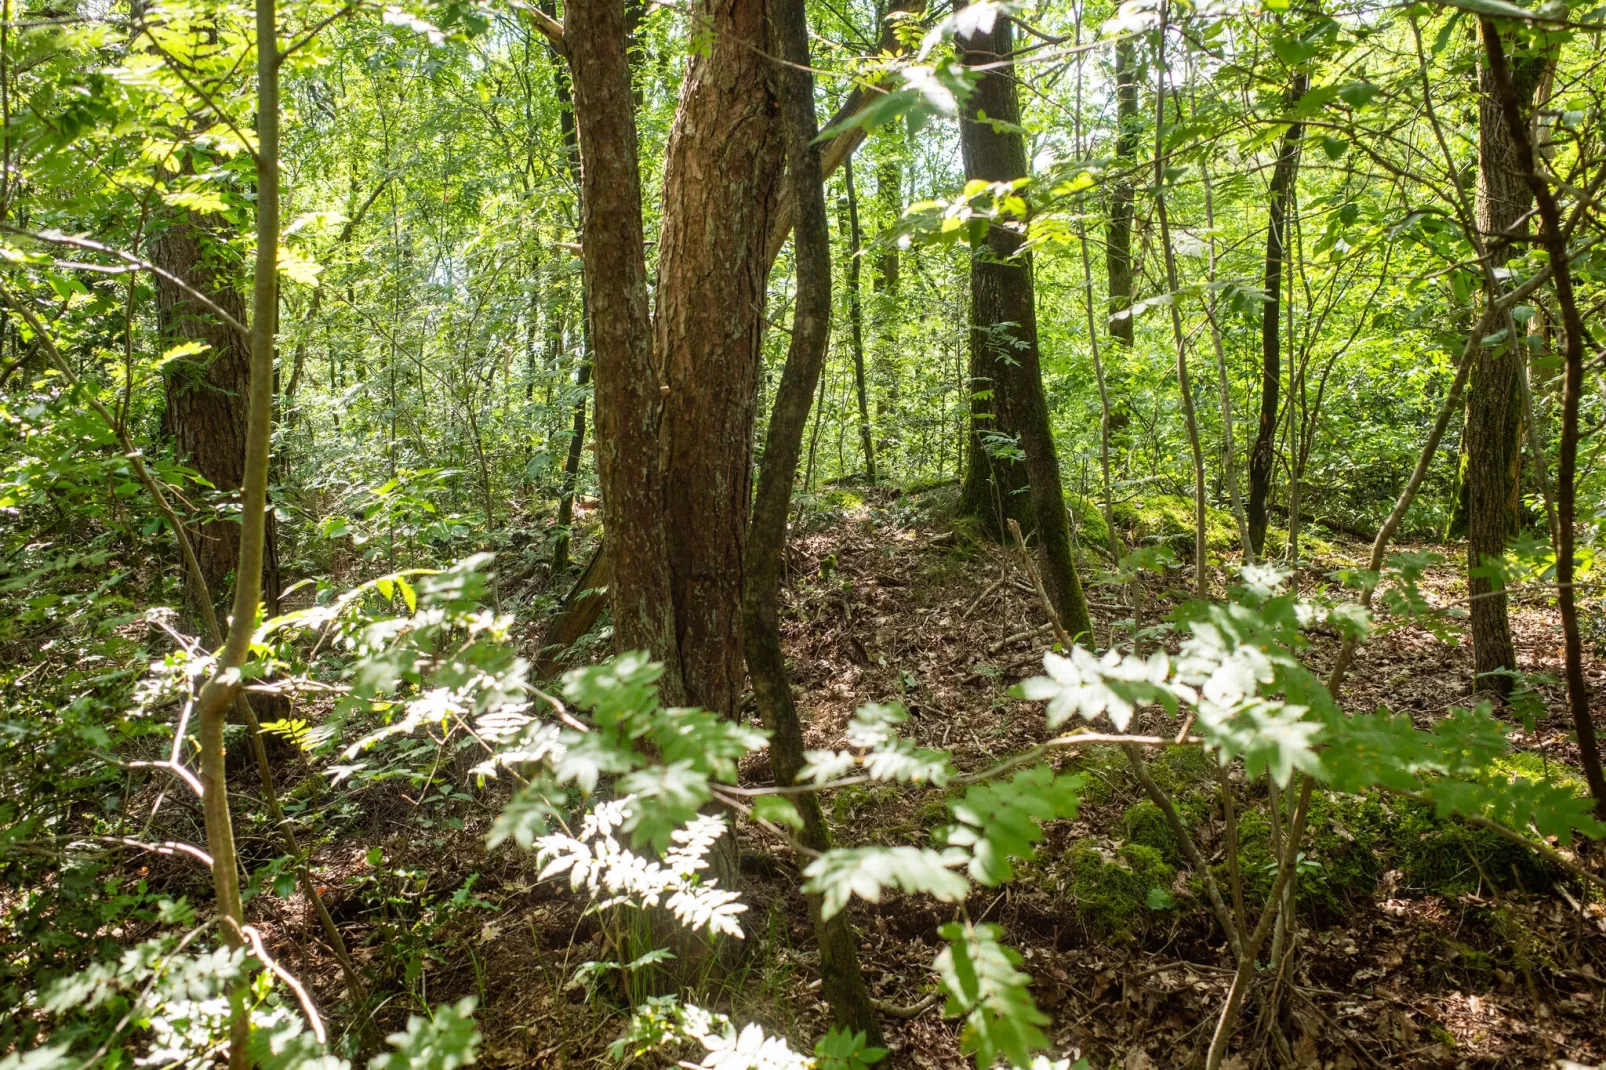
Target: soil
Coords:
[(884, 603)]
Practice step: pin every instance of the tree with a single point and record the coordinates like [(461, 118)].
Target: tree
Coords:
[(207, 388), (856, 319), (1006, 378), (1262, 455), (1491, 446), (841, 980)]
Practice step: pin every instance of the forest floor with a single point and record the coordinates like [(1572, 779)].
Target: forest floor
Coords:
[(1419, 943)]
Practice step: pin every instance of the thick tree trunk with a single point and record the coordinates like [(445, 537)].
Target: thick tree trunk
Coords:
[(721, 183), (1003, 338), (206, 394), (842, 983), (856, 321), (630, 388), (1553, 236), (1262, 456), (1491, 445)]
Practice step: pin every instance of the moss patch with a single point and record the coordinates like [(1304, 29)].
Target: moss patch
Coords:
[(1168, 518), (1146, 826), (1112, 896), (1088, 515)]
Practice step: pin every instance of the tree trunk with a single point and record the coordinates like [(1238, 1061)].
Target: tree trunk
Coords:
[(721, 183), (1553, 236), (886, 285), (1118, 233), (1262, 455), (842, 984), (206, 394), (1003, 336), (856, 320), (571, 462), (1491, 445), (630, 389)]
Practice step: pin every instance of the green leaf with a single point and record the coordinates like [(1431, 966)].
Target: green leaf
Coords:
[(843, 1049), (844, 872), (1160, 898), (444, 1042), (978, 974), (1003, 820), (777, 810)]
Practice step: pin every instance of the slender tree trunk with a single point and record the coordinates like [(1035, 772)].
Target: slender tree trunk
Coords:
[(1229, 447), (856, 320), (571, 462), (842, 983), (1262, 456), (1491, 445), (1003, 318), (1118, 233), (1554, 238), (885, 286), (222, 689), (1201, 574)]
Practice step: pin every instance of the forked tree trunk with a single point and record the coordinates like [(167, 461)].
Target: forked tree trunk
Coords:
[(1262, 456), (841, 982), (1491, 445), (1003, 339), (631, 394)]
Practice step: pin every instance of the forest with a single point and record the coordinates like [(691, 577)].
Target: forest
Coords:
[(802, 534)]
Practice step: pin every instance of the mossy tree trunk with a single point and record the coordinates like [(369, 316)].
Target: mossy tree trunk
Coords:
[(1008, 402)]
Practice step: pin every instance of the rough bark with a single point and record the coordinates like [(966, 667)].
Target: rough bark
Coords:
[(1004, 355), (205, 394), (856, 318), (1262, 456), (842, 983), (721, 181), (885, 285), (1554, 239), (1491, 445), (1118, 231), (571, 461), (630, 388)]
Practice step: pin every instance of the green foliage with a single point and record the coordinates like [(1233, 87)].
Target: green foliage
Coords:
[(842, 1049), (444, 1041), (1112, 895), (1000, 821), (843, 872), (978, 975)]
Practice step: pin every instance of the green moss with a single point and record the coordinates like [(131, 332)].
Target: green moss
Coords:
[(1088, 515), (1147, 826), (1310, 546), (1352, 841), (1168, 518), (1445, 856), (1112, 897), (1104, 766)]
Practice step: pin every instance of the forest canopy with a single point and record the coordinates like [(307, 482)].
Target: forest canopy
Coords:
[(801, 533)]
